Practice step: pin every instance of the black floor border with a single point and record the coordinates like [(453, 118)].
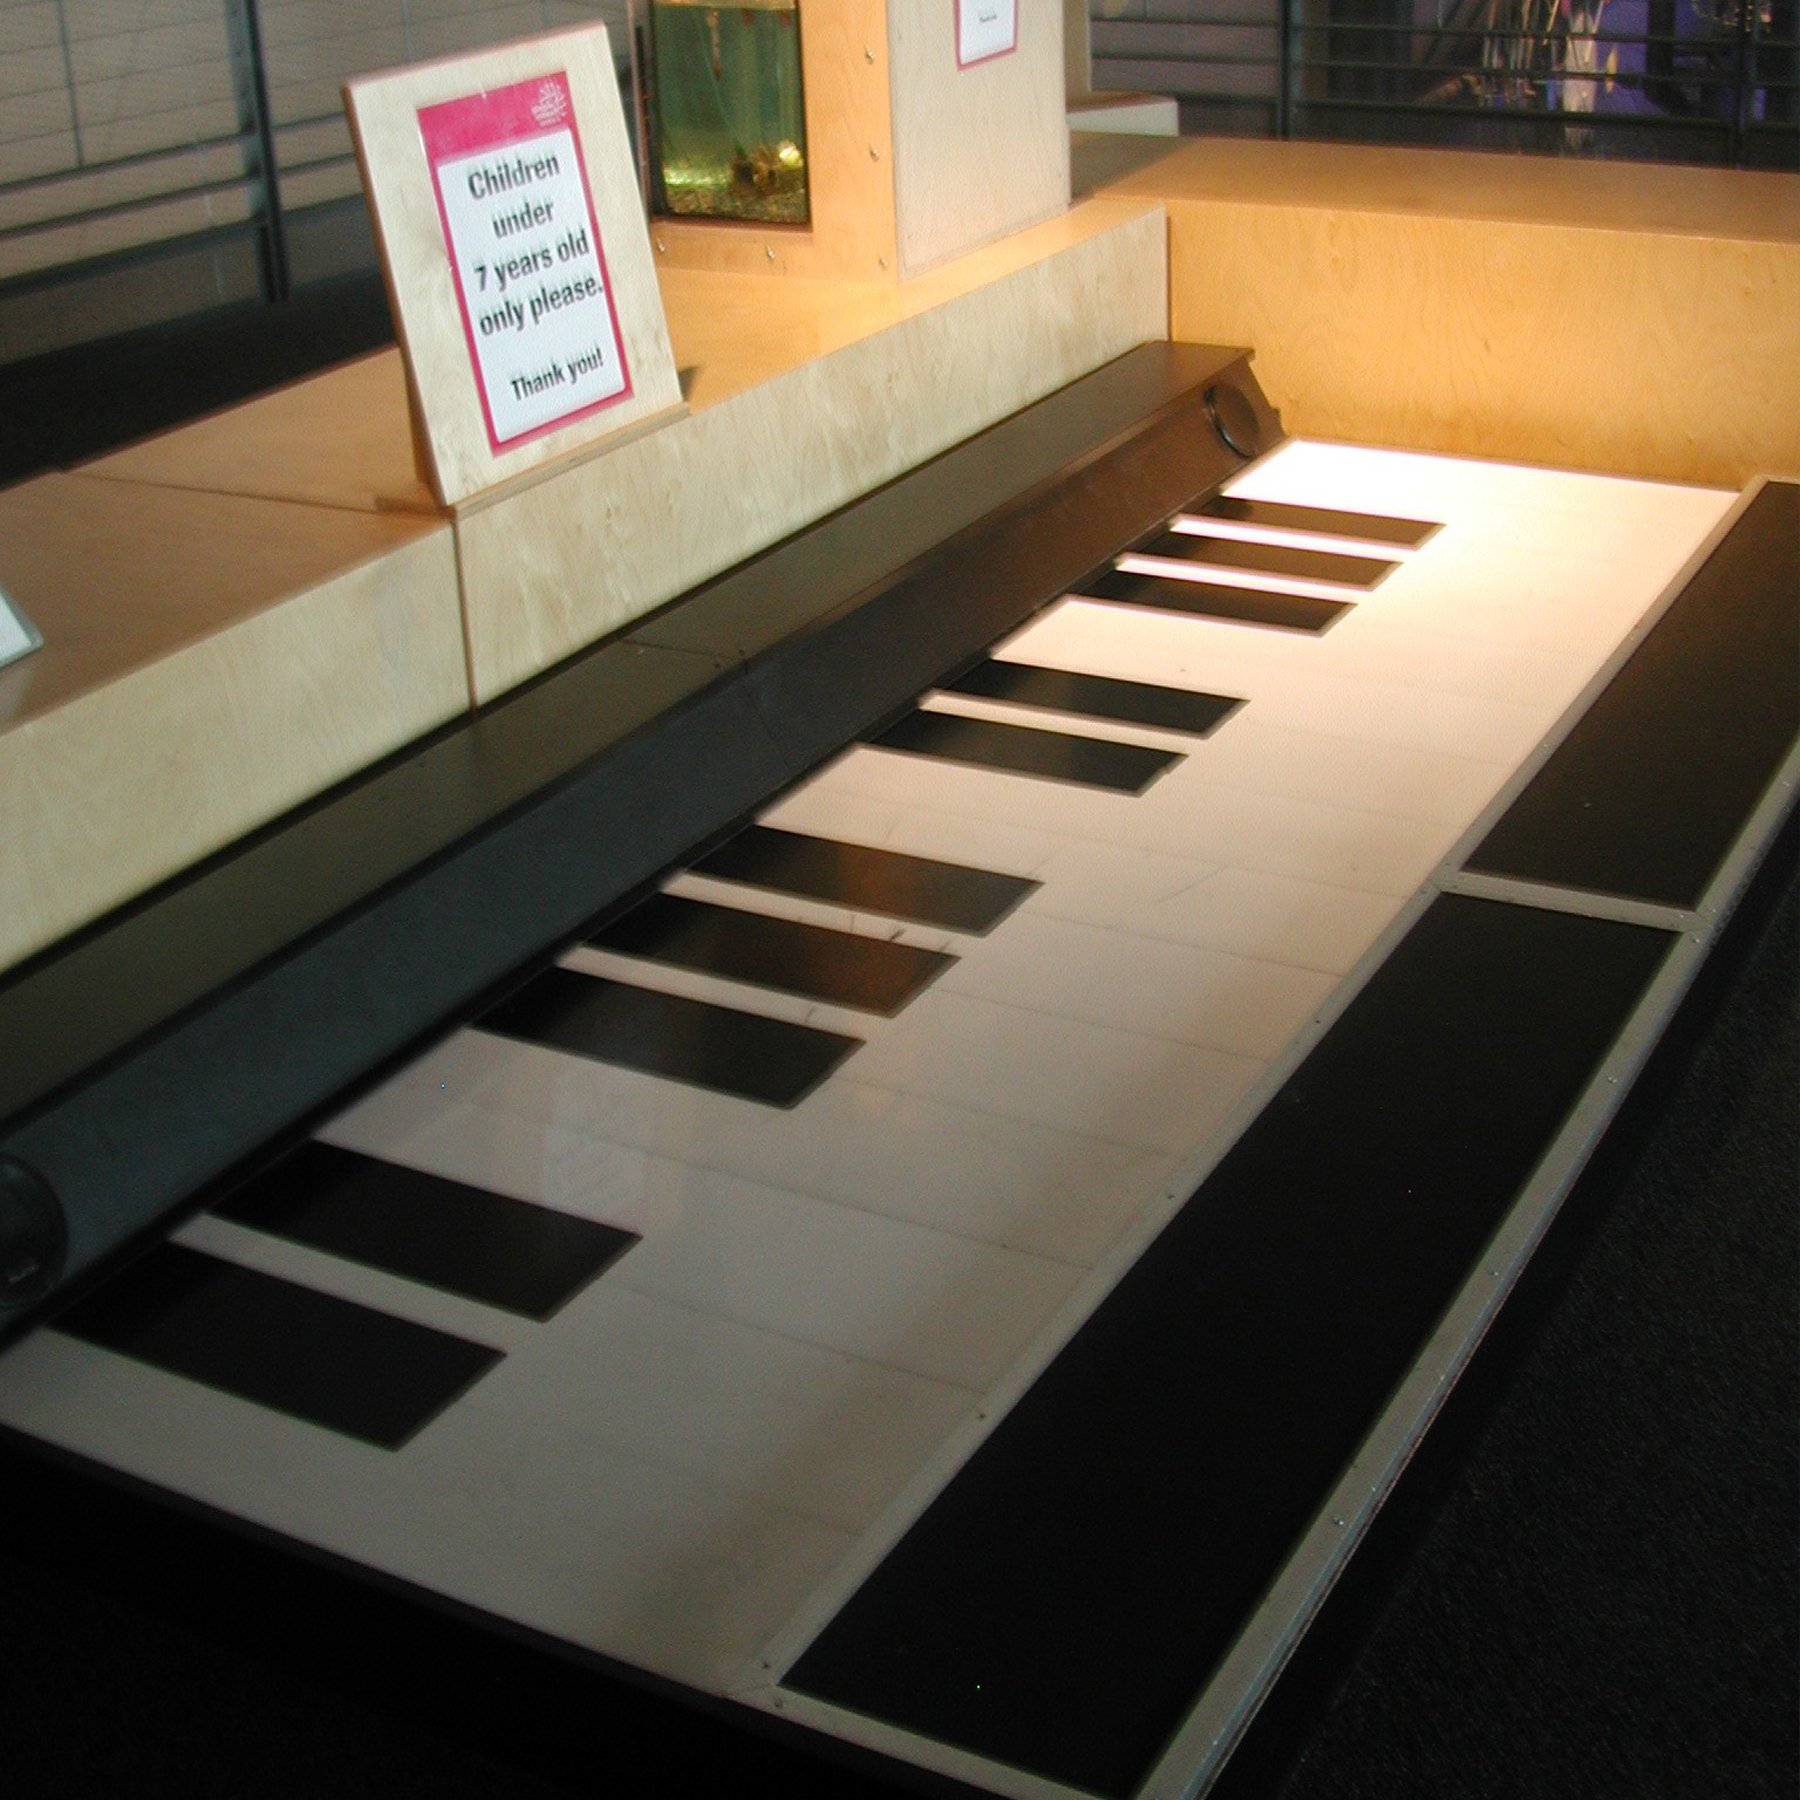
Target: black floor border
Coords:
[(1646, 794), (1062, 1603)]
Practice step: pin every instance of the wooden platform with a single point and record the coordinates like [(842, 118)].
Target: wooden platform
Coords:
[(200, 585), (1613, 316)]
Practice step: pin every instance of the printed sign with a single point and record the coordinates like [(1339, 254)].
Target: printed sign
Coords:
[(17, 634), (985, 29), (518, 217)]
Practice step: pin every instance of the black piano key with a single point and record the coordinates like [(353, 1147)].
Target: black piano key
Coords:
[(1098, 696), (695, 1041), (1025, 750), (506, 1253), (1328, 521), (903, 886), (1647, 793), (1211, 600), (1335, 566), (1061, 1604), (873, 974), (330, 1362)]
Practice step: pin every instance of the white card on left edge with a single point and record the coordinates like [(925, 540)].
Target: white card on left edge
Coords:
[(17, 634)]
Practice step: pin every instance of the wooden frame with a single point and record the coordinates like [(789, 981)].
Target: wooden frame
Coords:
[(911, 159), (410, 123)]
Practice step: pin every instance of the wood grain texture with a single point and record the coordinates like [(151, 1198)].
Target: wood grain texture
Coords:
[(849, 155), (1470, 184), (1637, 320), (338, 438), (884, 378), (409, 232), (208, 662), (979, 151)]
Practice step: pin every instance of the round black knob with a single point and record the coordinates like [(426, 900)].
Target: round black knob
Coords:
[(34, 1235), (1234, 419)]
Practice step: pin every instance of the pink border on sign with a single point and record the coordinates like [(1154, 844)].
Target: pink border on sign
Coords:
[(975, 62), (498, 120)]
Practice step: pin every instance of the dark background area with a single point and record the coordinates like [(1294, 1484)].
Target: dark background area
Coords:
[(1587, 1583)]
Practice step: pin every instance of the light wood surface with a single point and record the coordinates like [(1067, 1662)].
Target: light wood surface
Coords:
[(338, 438), (1626, 318), (257, 604), (978, 151), (885, 377), (208, 661), (461, 457), (1669, 199)]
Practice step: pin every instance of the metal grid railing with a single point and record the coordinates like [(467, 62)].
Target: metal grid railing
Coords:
[(1683, 80), (160, 156)]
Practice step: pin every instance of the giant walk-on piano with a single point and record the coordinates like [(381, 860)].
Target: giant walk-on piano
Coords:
[(899, 1155)]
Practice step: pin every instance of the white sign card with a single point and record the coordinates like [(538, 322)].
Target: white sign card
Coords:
[(985, 29), (17, 633), (513, 236), (525, 250)]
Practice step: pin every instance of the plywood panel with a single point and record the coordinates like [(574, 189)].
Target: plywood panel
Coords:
[(977, 151), (898, 374), (384, 114), (1468, 184), (1637, 353), (340, 438), (1601, 316), (208, 661)]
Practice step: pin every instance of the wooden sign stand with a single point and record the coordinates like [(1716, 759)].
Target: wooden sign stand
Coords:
[(932, 127), (517, 262)]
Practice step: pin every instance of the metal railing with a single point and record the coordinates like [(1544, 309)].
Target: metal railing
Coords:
[(1714, 81), (161, 156)]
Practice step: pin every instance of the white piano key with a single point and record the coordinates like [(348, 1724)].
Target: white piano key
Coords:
[(1283, 836), (1208, 998), (822, 807), (1457, 489), (1128, 1087), (1035, 718), (1299, 923), (1398, 781), (935, 1303), (328, 1274), (1289, 537), (805, 910), (500, 1508), (806, 1429), (1044, 1190)]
